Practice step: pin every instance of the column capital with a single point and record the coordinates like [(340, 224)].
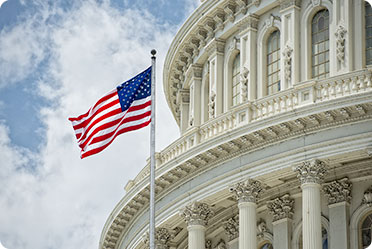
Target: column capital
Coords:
[(162, 238), (284, 4), (231, 227), (281, 207), (216, 46), (247, 191), (338, 191), (249, 22), (197, 213), (195, 71), (311, 171)]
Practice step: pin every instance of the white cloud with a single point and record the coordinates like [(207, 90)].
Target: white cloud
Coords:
[(54, 199)]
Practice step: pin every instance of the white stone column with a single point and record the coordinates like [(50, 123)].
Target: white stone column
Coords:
[(290, 42), (215, 50), (311, 175), (196, 216), (339, 195), (282, 210), (248, 56), (247, 193)]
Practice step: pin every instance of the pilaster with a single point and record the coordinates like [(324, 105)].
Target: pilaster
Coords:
[(282, 210), (248, 57), (195, 73), (290, 42), (183, 100), (215, 50), (339, 195)]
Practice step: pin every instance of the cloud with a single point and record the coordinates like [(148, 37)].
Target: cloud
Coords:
[(53, 199)]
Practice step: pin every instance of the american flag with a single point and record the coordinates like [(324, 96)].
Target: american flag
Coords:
[(126, 108)]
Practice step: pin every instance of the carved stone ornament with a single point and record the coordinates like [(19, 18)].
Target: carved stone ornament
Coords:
[(270, 21), (338, 191), (367, 199), (281, 207), (162, 238), (231, 227), (248, 22), (315, 3), (311, 171), (247, 191), (244, 84), (208, 244), (284, 4), (220, 245), (261, 228), (212, 104), (287, 54), (197, 213), (340, 43), (234, 45), (256, 2)]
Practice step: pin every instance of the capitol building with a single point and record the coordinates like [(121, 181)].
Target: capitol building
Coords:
[(273, 100)]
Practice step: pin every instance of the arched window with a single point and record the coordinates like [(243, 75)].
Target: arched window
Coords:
[(366, 231), (236, 80), (368, 26), (320, 45), (266, 245), (273, 62)]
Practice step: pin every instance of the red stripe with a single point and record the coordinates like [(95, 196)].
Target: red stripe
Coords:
[(104, 98), (127, 129), (124, 120), (101, 109)]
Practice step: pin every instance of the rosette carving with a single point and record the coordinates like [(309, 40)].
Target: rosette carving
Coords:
[(231, 227), (338, 191), (247, 191), (281, 207), (197, 213), (311, 171)]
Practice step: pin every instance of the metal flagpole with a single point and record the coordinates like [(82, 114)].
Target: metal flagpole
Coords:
[(152, 153)]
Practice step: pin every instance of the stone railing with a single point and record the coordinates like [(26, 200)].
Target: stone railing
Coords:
[(302, 94)]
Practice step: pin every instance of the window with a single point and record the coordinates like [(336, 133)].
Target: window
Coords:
[(320, 45), (267, 246), (273, 62), (236, 80), (368, 22), (366, 231)]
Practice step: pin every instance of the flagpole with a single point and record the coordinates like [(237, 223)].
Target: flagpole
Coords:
[(152, 153)]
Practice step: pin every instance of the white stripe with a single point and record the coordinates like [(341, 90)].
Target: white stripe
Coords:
[(112, 128), (90, 147)]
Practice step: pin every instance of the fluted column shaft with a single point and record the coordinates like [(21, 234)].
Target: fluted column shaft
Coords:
[(196, 236), (311, 216), (247, 225), (247, 193), (311, 175)]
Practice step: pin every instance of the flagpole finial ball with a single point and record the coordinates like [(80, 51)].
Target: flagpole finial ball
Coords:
[(153, 52)]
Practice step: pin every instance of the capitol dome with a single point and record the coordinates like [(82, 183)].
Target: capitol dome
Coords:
[(274, 104)]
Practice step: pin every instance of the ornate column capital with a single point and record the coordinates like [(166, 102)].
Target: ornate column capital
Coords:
[(284, 4), (338, 191), (311, 171), (247, 191), (162, 238), (231, 227), (197, 213), (367, 199), (281, 207)]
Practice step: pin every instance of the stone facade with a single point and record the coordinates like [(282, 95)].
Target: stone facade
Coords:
[(256, 167)]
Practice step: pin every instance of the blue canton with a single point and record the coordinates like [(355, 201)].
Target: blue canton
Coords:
[(136, 88)]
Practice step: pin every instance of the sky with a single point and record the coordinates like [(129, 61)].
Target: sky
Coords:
[(57, 57)]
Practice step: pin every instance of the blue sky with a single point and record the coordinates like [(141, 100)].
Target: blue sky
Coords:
[(57, 58)]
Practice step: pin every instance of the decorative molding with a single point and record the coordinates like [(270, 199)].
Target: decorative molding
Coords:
[(284, 4), (230, 9), (220, 245), (249, 22), (216, 46), (269, 22), (281, 207), (231, 227), (197, 213), (261, 228), (212, 104), (316, 3), (311, 171), (162, 238), (367, 198), (287, 54), (338, 191), (208, 244), (340, 43), (256, 2), (247, 191), (244, 84)]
